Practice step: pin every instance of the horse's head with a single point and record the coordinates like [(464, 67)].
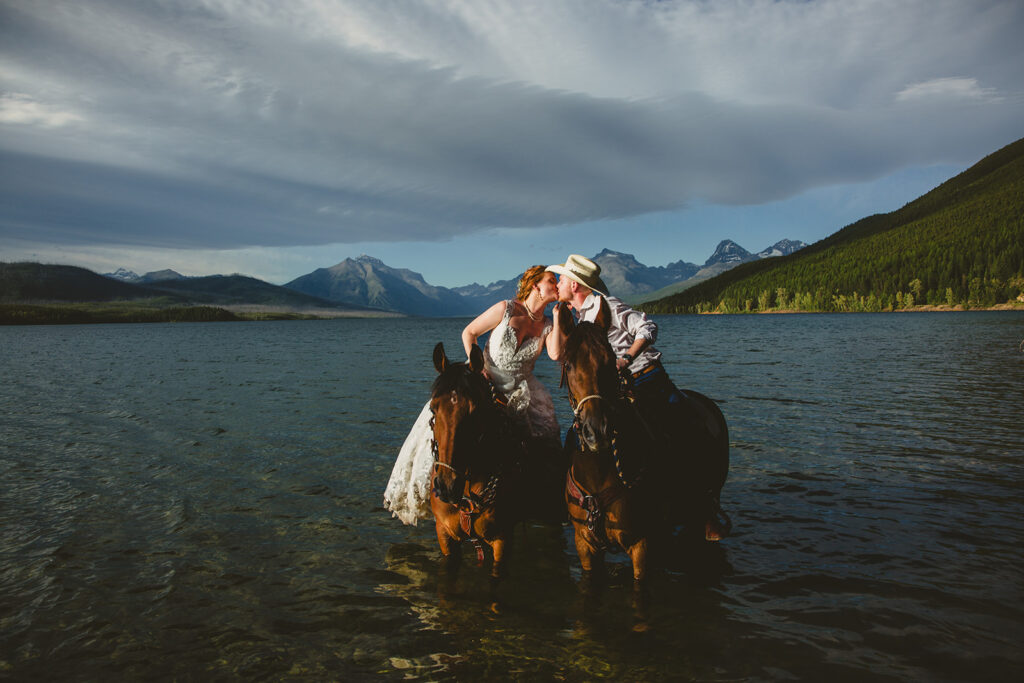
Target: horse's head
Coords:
[(461, 403), (588, 370)]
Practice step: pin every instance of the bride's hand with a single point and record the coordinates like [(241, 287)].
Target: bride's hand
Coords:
[(556, 311), (483, 371)]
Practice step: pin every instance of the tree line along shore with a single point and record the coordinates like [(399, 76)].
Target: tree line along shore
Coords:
[(994, 297), (86, 314)]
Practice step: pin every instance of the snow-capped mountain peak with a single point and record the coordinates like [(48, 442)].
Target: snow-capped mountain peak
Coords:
[(728, 251), (124, 275), (782, 248)]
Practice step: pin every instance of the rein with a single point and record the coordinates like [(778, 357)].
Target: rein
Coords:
[(435, 452), (577, 407), (573, 403), (438, 463)]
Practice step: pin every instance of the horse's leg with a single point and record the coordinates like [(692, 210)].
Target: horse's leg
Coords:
[(641, 598), (638, 555), (498, 547), (448, 570), (449, 544), (705, 462), (591, 558), (591, 562), (717, 523)]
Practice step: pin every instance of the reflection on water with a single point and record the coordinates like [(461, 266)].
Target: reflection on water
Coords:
[(550, 625), (197, 501)]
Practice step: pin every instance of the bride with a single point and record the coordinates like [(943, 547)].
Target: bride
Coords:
[(519, 330)]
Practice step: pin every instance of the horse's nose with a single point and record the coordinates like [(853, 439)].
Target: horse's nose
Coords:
[(594, 432), (586, 434), (442, 489)]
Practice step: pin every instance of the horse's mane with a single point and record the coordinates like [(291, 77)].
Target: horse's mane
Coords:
[(591, 334), (458, 378)]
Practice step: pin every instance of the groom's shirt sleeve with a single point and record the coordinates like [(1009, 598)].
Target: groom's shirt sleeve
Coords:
[(630, 322)]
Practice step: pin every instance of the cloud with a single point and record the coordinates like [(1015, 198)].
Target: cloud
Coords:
[(19, 108), (225, 124), (948, 89)]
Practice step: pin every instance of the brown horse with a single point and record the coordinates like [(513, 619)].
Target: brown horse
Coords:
[(626, 484), (470, 484)]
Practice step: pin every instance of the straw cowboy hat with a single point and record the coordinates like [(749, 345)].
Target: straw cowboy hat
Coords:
[(582, 270)]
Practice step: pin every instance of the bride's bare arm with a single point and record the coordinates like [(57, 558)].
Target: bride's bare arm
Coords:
[(482, 324), (555, 342)]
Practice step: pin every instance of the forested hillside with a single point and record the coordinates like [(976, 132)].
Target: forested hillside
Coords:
[(21, 282), (962, 244)]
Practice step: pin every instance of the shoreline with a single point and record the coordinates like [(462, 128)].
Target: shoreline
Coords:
[(959, 308), (97, 313), (103, 313)]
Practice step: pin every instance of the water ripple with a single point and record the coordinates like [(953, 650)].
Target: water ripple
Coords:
[(202, 501)]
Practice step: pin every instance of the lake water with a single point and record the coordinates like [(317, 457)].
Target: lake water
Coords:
[(202, 501)]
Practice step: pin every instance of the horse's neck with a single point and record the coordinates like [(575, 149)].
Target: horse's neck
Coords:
[(493, 447), (483, 470), (593, 472)]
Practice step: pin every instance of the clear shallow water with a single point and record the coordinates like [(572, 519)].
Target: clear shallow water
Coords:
[(203, 501)]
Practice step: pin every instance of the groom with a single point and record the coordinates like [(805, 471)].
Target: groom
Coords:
[(631, 335)]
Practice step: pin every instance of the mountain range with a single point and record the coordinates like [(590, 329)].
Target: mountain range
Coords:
[(38, 283), (367, 281), (125, 275), (363, 284), (360, 285)]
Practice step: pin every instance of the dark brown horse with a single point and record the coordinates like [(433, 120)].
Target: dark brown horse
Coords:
[(470, 488), (626, 483)]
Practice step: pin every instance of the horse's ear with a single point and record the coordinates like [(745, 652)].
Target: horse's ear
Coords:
[(440, 360), (476, 359), (566, 322), (604, 316)]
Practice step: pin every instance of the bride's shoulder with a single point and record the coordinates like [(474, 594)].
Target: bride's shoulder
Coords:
[(503, 310), (499, 308)]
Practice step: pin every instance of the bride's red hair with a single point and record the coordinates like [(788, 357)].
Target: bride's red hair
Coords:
[(531, 277)]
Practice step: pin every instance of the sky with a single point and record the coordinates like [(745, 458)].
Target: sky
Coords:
[(466, 140)]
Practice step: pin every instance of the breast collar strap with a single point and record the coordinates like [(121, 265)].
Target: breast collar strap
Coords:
[(594, 505)]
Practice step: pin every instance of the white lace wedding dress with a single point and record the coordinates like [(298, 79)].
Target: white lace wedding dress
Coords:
[(510, 366)]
